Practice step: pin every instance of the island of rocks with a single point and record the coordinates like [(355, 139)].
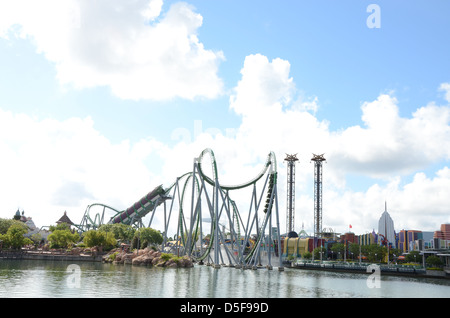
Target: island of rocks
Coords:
[(147, 257)]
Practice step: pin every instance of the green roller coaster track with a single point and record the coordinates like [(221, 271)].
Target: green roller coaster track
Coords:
[(190, 233)]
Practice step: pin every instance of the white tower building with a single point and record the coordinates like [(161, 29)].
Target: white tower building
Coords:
[(386, 227)]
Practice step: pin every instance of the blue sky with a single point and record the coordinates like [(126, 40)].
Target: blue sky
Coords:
[(375, 100)]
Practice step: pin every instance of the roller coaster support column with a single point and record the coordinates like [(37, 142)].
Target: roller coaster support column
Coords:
[(216, 224), (280, 267), (188, 245)]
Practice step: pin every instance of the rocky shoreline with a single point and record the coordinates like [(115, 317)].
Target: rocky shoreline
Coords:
[(143, 257), (147, 257)]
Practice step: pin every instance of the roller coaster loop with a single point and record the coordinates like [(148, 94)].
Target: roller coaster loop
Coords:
[(212, 212)]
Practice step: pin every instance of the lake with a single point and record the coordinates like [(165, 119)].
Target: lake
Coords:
[(57, 279)]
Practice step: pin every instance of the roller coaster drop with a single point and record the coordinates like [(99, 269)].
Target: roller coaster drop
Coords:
[(211, 209)]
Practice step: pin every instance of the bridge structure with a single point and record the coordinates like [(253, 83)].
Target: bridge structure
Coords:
[(211, 227)]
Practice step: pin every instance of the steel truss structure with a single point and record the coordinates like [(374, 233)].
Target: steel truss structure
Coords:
[(210, 227), (318, 159), (290, 202)]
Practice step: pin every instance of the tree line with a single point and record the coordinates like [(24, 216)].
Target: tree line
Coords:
[(107, 236), (373, 253)]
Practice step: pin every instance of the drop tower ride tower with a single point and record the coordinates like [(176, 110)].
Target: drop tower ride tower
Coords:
[(318, 159), (290, 202)]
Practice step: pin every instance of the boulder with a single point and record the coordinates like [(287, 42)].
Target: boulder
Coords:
[(161, 263), (185, 262), (144, 260), (171, 263), (119, 258), (146, 257), (156, 260), (128, 258)]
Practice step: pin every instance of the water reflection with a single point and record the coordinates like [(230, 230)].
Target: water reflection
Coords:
[(50, 279)]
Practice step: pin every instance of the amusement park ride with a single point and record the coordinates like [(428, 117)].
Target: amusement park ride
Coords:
[(205, 208)]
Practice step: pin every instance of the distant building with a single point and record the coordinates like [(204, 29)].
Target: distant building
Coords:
[(349, 237), (410, 240), (32, 228), (386, 228), (367, 239), (444, 233), (441, 239), (20, 216), (17, 215), (65, 219)]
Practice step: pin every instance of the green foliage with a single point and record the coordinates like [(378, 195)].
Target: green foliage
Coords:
[(374, 252), (354, 248), (14, 237), (307, 255), (147, 236), (121, 232), (317, 251), (166, 256), (113, 256), (176, 258), (338, 248), (413, 257), (6, 223), (63, 238), (36, 238), (434, 261), (60, 226), (99, 238)]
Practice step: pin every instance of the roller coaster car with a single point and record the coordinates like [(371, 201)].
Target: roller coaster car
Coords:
[(269, 192), (141, 207)]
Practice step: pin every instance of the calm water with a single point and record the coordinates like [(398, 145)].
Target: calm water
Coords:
[(38, 279)]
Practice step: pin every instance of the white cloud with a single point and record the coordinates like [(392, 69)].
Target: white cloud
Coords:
[(49, 166), (131, 47), (392, 144), (446, 88), (263, 86)]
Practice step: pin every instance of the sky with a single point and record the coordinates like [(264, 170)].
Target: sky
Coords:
[(101, 101)]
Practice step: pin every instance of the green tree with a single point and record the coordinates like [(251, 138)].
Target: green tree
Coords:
[(63, 238), (36, 238), (307, 255), (413, 257), (374, 252), (338, 250), (99, 238), (121, 232), (147, 236), (60, 226), (433, 261), (14, 237), (317, 251), (354, 249), (6, 223)]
